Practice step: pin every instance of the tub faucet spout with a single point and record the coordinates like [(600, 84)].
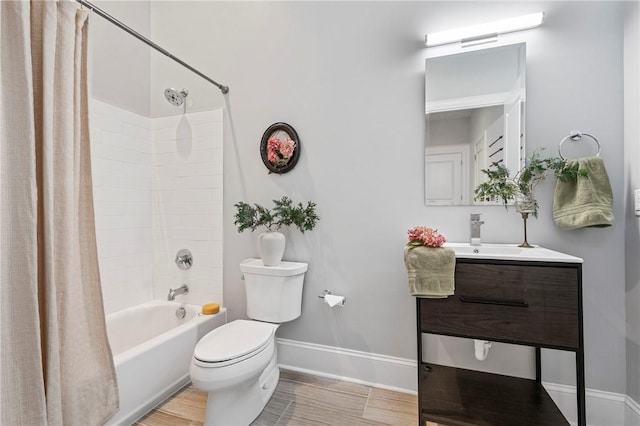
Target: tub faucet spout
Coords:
[(173, 292)]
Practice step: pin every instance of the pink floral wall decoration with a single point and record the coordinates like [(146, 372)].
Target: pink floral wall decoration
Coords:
[(280, 148)]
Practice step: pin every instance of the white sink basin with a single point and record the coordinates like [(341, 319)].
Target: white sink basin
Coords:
[(510, 252)]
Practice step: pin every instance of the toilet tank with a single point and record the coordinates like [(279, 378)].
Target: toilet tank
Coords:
[(274, 293)]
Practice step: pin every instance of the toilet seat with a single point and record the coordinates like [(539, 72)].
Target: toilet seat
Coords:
[(233, 342)]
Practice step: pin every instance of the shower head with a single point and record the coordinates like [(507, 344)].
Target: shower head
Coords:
[(175, 97)]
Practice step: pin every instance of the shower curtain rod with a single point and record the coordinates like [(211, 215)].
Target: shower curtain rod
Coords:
[(114, 21)]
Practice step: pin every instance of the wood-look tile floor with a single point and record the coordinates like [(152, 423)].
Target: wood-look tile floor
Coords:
[(301, 399)]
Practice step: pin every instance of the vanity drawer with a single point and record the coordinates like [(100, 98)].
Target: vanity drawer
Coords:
[(537, 305)]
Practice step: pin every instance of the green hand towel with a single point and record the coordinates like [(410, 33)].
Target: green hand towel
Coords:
[(430, 271), (586, 202)]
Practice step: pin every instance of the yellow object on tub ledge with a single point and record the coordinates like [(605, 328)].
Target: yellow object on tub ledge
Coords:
[(210, 309)]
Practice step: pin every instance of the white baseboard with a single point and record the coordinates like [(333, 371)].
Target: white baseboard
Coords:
[(400, 374), (632, 412), (603, 408), (382, 371)]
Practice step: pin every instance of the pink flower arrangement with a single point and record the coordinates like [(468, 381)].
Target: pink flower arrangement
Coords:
[(423, 236), (279, 151)]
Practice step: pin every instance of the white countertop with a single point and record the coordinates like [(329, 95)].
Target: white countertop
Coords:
[(510, 252)]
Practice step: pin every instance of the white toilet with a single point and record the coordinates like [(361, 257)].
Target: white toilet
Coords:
[(236, 363)]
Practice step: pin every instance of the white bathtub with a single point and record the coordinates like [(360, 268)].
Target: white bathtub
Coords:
[(152, 351)]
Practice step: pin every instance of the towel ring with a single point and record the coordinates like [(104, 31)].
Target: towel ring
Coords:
[(576, 136)]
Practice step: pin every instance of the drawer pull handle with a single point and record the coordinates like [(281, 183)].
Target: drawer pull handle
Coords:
[(516, 303)]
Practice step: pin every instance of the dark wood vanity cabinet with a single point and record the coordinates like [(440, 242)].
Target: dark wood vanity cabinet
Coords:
[(535, 304)]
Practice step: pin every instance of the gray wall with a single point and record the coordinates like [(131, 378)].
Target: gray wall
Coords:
[(632, 181), (349, 77), (121, 64)]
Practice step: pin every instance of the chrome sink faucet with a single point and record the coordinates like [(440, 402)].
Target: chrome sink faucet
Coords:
[(180, 290), (475, 229)]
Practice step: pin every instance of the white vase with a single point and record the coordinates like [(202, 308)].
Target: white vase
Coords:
[(271, 245)]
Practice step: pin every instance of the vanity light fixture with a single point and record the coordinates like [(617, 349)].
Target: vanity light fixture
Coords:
[(484, 32)]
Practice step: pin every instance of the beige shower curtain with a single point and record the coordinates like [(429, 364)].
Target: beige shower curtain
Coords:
[(56, 366)]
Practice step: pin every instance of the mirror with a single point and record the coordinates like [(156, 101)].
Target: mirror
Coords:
[(474, 117)]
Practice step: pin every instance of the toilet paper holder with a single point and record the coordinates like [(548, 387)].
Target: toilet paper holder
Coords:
[(328, 293)]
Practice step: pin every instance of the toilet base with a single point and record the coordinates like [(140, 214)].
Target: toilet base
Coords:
[(241, 404)]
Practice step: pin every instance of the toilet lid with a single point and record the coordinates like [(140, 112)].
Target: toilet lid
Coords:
[(233, 340)]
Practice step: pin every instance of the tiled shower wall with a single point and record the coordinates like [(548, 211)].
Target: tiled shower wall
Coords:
[(157, 188), (121, 162), (187, 204)]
